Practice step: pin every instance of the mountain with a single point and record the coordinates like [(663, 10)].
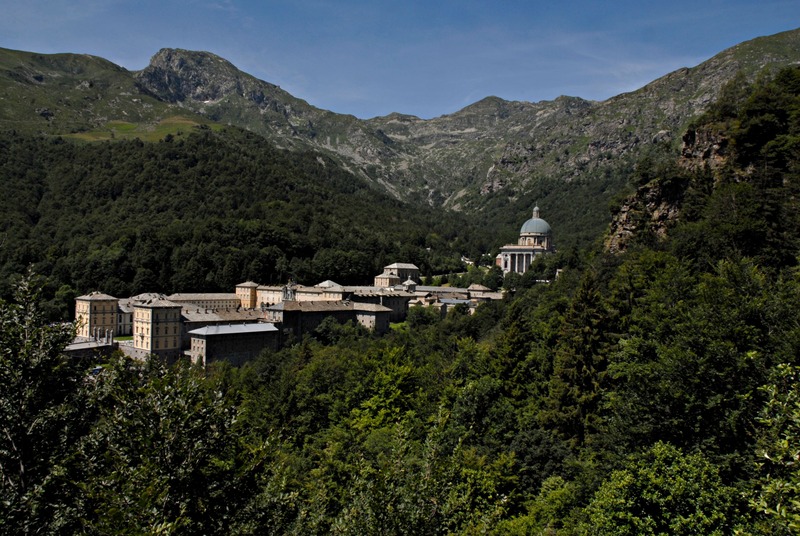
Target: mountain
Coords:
[(492, 159)]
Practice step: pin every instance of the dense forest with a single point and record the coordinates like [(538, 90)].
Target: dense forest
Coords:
[(649, 392), (204, 212)]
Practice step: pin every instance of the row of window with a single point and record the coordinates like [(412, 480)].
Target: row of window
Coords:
[(156, 331)]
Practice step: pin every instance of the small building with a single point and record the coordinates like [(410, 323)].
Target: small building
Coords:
[(387, 279), (396, 299), (269, 295), (235, 343), (193, 318), (481, 293), (535, 238), (396, 273)]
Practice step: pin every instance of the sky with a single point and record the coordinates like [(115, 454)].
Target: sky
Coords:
[(425, 58)]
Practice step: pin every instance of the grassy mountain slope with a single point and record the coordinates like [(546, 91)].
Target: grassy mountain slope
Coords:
[(70, 93)]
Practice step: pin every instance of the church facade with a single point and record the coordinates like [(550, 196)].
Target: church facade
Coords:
[(535, 238)]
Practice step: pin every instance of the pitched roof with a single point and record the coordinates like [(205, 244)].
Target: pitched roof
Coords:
[(476, 286), (155, 303), (403, 265), (328, 284), (326, 306), (205, 296), (201, 314), (96, 295)]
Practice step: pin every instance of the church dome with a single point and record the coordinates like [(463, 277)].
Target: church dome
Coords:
[(535, 225)]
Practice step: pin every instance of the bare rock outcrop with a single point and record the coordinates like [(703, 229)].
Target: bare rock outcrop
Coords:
[(651, 211)]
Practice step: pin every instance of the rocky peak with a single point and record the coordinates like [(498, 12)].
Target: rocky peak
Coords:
[(177, 75)]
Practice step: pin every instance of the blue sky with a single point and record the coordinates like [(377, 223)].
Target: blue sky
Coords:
[(424, 58)]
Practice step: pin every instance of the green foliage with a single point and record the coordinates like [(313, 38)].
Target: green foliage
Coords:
[(425, 489), (546, 512), (329, 331), (662, 492), (777, 494), (419, 317), (695, 354), (166, 454), (579, 365), (42, 413)]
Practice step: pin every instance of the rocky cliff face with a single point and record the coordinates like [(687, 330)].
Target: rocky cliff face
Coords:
[(656, 206), (704, 147), (653, 209)]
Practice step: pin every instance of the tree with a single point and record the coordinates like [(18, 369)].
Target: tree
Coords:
[(662, 492), (166, 454), (579, 365), (777, 495), (41, 414), (419, 316)]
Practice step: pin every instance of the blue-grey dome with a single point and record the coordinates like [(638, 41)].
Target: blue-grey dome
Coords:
[(535, 225)]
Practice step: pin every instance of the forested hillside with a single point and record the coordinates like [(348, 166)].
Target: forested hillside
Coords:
[(647, 392), (203, 212)]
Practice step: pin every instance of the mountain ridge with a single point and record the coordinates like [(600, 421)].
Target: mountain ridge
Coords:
[(489, 158)]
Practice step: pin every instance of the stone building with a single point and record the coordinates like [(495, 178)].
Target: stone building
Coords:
[(194, 318), (96, 315), (235, 343), (303, 317), (535, 238), (247, 294), (395, 298), (125, 319), (208, 300), (157, 327)]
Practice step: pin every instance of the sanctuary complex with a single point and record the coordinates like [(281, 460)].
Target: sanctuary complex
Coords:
[(239, 325)]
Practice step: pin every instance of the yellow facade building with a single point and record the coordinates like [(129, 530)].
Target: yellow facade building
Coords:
[(157, 327), (96, 315)]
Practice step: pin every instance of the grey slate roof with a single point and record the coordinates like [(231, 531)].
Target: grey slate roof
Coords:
[(403, 265), (201, 314), (96, 295), (327, 306), (187, 296), (231, 329)]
